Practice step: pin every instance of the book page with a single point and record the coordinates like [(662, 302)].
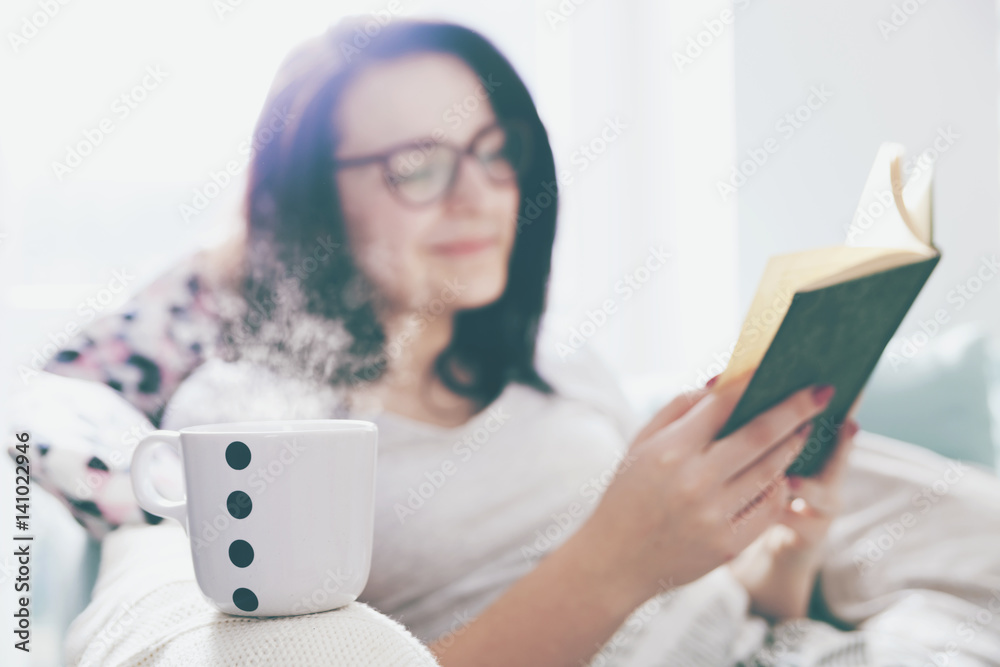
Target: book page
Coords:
[(918, 201), (889, 214)]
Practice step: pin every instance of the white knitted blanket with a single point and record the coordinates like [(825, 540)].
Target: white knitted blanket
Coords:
[(155, 614), (914, 558)]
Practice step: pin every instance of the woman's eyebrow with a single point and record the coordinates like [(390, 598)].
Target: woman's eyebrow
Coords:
[(429, 138), (417, 142), (422, 140)]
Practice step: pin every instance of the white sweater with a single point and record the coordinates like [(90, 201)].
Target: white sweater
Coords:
[(462, 513)]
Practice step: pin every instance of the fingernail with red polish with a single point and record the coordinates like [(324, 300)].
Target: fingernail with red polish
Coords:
[(713, 380), (823, 393), (794, 482)]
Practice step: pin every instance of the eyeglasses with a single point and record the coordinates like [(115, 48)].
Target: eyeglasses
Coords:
[(419, 173)]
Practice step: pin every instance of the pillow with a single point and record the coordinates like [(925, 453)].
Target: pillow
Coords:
[(82, 437), (935, 395)]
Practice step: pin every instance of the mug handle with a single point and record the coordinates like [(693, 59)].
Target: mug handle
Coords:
[(145, 491)]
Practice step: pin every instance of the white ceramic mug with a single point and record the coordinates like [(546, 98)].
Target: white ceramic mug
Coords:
[(280, 514)]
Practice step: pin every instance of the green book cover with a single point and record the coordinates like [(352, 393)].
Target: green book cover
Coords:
[(825, 316)]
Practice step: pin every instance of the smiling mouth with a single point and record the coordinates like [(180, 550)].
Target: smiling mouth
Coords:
[(464, 247)]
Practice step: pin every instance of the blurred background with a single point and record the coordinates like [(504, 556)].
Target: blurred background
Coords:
[(119, 117)]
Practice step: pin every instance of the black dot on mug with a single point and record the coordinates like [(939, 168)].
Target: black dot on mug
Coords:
[(244, 599), (239, 504), (241, 553), (238, 455)]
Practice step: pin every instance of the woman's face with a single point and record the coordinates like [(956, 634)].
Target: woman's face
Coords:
[(454, 251)]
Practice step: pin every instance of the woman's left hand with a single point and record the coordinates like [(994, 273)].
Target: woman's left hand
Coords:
[(779, 568)]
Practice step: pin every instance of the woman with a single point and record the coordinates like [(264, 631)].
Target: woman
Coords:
[(388, 253)]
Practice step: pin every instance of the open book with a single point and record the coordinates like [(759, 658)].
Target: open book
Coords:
[(824, 316)]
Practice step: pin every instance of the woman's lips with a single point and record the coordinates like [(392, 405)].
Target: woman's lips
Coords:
[(463, 247)]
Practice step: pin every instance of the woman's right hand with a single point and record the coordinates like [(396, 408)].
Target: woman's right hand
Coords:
[(682, 503)]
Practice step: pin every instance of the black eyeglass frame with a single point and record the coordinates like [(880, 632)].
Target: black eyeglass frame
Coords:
[(426, 144)]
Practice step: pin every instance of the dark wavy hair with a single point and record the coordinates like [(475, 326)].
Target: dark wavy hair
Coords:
[(292, 210)]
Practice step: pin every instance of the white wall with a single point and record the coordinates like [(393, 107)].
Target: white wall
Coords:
[(938, 70)]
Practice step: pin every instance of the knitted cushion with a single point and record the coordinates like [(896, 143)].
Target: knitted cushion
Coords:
[(147, 610)]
